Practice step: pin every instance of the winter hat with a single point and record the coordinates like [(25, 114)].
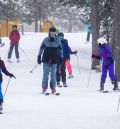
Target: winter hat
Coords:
[(14, 26), (52, 29), (101, 41), (60, 34)]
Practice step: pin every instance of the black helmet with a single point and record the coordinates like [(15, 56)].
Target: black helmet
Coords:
[(60, 34), (52, 29), (14, 26)]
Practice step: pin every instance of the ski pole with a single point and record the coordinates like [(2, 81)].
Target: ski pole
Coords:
[(33, 68), (24, 52), (78, 63), (6, 87), (89, 78), (118, 104)]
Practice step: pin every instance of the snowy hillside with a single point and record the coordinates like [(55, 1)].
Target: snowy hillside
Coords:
[(78, 107)]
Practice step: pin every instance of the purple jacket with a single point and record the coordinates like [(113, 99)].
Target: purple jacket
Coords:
[(106, 53)]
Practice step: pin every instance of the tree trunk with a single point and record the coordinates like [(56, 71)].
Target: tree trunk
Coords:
[(117, 37), (95, 31), (36, 16)]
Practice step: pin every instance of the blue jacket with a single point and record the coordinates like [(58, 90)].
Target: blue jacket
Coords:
[(66, 50), (89, 28)]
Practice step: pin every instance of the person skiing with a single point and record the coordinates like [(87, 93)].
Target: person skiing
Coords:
[(50, 50), (89, 31), (14, 42), (61, 67), (4, 70), (107, 63), (68, 64)]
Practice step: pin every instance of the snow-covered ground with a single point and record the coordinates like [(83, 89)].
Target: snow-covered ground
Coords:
[(78, 107)]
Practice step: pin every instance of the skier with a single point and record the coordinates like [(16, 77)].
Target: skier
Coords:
[(50, 50), (68, 64), (4, 70), (89, 31), (61, 67), (14, 38), (107, 63)]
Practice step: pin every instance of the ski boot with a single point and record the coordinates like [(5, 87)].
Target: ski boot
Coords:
[(9, 61), (58, 84), (44, 91), (70, 76), (1, 108), (18, 60), (54, 92), (101, 87), (116, 88), (64, 84)]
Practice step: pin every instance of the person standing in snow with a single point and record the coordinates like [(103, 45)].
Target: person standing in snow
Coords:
[(68, 64), (50, 50), (61, 67), (89, 31), (4, 70), (14, 42), (107, 63)]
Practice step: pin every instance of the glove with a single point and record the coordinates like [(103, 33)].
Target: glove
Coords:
[(39, 60), (11, 75), (93, 56), (110, 59), (75, 52)]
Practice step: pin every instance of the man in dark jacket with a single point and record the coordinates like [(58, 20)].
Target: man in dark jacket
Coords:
[(50, 50), (14, 42), (4, 70)]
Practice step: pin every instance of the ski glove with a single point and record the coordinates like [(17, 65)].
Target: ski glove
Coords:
[(96, 57), (39, 59), (110, 59), (11, 75)]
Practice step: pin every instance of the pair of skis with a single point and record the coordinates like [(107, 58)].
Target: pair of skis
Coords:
[(106, 91), (47, 93)]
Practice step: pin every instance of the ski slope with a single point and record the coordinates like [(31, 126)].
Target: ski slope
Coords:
[(78, 107)]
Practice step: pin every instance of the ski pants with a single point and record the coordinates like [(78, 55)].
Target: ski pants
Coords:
[(88, 36), (11, 49), (49, 69), (61, 71), (110, 68), (69, 67), (1, 95)]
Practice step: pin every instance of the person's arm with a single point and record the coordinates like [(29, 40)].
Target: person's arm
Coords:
[(4, 70)]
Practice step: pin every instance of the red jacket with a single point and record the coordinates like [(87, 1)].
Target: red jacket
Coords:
[(14, 37)]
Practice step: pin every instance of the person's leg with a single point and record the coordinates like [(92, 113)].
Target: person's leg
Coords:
[(16, 51), (1, 95), (46, 71), (63, 73), (68, 65), (53, 78), (113, 76), (88, 36), (58, 72), (103, 76), (10, 51)]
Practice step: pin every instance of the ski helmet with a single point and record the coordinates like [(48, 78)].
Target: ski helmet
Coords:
[(101, 41)]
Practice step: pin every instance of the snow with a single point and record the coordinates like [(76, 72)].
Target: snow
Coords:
[(78, 107)]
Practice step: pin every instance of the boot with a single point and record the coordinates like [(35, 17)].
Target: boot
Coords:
[(64, 84), (115, 83), (53, 91), (58, 84), (101, 86)]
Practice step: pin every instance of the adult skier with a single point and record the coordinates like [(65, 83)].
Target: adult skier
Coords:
[(49, 53), (107, 63)]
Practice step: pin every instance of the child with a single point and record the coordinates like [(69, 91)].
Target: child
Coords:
[(4, 70), (107, 64)]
